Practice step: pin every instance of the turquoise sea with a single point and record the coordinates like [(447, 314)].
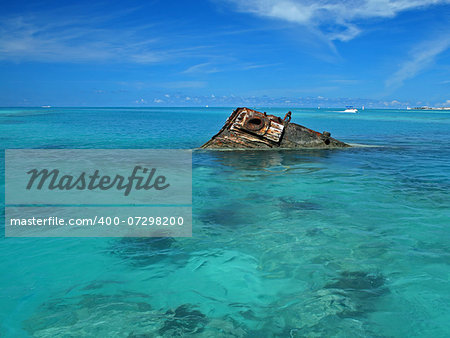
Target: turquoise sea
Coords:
[(314, 243)]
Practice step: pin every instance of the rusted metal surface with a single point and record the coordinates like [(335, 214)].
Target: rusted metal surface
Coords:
[(248, 128)]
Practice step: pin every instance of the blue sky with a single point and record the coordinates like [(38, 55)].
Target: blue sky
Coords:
[(378, 53)]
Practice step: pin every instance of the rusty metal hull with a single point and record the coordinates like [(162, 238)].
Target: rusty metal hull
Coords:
[(246, 128)]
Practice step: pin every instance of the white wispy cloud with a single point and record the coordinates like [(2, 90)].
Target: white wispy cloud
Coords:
[(221, 65), (34, 38), (259, 66), (290, 101), (334, 19), (206, 68), (420, 58), (49, 36)]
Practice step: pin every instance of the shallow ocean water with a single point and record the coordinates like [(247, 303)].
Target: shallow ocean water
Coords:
[(346, 243)]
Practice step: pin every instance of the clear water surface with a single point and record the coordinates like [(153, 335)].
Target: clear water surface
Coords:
[(345, 243)]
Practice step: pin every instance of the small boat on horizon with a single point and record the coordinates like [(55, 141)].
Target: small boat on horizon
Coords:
[(350, 109)]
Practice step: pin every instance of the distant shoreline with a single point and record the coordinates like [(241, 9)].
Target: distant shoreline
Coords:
[(217, 107), (431, 108)]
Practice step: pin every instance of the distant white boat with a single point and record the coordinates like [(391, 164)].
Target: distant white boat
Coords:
[(350, 109), (46, 106)]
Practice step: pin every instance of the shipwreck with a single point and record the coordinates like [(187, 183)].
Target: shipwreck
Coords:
[(246, 128)]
